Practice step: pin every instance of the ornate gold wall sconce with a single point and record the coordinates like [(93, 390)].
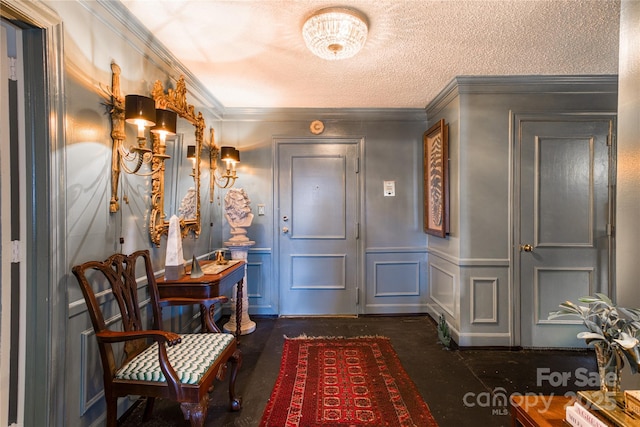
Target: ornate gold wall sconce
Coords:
[(140, 111), (230, 156)]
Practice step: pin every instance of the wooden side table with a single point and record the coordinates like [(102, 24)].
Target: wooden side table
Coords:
[(531, 410), (207, 286)]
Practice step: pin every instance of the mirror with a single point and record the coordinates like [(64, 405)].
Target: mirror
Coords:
[(179, 187), (175, 188)]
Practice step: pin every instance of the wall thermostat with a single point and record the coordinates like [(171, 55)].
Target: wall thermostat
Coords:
[(389, 188)]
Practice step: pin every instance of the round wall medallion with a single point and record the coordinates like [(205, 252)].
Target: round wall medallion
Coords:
[(317, 127)]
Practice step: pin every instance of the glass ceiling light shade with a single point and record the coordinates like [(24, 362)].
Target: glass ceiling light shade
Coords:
[(335, 32)]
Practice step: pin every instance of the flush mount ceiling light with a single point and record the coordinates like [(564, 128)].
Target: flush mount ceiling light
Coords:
[(335, 32)]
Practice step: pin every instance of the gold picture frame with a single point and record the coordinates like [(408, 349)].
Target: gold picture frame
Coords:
[(436, 179)]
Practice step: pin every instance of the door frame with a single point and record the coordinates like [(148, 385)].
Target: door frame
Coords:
[(514, 191), (277, 141), (45, 242)]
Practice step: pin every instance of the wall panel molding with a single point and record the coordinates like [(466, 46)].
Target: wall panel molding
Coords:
[(394, 250), (379, 287), (480, 287), (256, 270), (86, 402), (442, 284), (470, 262)]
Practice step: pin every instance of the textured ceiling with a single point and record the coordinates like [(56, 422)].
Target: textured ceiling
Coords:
[(250, 53)]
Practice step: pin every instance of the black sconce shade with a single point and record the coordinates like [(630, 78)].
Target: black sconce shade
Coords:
[(137, 107), (191, 151), (229, 154), (166, 121)]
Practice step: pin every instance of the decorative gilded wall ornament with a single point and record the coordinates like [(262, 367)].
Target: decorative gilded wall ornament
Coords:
[(129, 159), (118, 135), (214, 151), (175, 100)]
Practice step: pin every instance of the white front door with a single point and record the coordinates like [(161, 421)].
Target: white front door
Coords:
[(318, 227), (562, 245)]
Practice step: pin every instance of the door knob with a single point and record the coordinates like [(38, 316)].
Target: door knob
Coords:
[(285, 229), (526, 248)]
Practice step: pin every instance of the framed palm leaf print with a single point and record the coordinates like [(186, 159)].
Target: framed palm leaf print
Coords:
[(436, 179)]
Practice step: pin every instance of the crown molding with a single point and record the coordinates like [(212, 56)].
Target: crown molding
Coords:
[(119, 19), (567, 84), (343, 114)]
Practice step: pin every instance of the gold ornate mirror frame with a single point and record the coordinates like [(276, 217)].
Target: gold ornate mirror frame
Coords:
[(175, 100)]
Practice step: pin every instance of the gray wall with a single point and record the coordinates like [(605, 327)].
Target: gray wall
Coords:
[(628, 188), (93, 39), (477, 251), (391, 227), (628, 191)]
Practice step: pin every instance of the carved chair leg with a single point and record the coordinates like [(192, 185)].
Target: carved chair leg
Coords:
[(235, 402), (148, 409), (196, 412), (112, 411)]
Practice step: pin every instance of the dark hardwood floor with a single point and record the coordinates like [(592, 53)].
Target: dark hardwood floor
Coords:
[(463, 387)]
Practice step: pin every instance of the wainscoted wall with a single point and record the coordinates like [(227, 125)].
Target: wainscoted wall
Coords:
[(444, 289), (396, 281), (392, 260), (472, 273), (259, 281), (95, 35), (474, 298)]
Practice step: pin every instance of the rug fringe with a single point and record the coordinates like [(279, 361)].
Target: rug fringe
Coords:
[(304, 336)]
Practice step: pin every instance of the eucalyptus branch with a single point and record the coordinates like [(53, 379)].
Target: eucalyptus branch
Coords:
[(614, 328)]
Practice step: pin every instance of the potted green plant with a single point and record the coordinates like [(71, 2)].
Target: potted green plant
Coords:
[(612, 330)]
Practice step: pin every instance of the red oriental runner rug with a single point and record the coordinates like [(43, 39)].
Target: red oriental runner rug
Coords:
[(344, 382)]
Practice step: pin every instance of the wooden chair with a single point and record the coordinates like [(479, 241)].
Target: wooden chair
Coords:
[(156, 363)]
